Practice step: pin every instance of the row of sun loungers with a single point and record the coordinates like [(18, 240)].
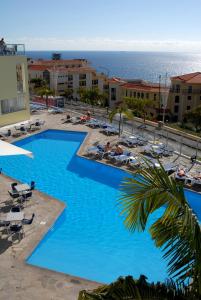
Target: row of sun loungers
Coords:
[(188, 177), (21, 129)]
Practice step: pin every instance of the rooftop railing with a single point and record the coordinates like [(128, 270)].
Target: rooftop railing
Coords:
[(12, 49)]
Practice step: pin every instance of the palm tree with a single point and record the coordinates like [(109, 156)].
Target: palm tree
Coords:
[(177, 231), (91, 96), (120, 109), (45, 91), (129, 288), (138, 105)]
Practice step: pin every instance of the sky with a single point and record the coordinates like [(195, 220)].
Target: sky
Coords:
[(121, 25)]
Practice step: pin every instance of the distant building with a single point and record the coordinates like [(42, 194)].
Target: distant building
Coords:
[(63, 75), (185, 94), (56, 56), (14, 92), (138, 89)]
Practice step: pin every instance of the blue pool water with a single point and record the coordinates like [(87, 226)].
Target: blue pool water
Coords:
[(89, 239)]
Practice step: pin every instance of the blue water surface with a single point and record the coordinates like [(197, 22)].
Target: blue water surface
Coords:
[(89, 239)]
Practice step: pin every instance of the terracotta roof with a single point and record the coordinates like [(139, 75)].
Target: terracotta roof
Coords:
[(144, 87), (60, 69), (116, 80), (189, 78), (37, 68)]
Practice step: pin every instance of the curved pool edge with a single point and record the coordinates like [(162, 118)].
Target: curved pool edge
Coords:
[(30, 248)]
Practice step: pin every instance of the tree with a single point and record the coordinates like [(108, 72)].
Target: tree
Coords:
[(129, 288), (139, 105), (92, 97), (177, 231), (38, 82), (68, 94), (194, 116), (121, 109), (45, 91)]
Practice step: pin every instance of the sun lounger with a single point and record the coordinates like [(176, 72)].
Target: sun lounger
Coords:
[(134, 161), (110, 130), (129, 141), (75, 120)]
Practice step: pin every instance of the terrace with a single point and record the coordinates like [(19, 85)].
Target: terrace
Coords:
[(11, 49)]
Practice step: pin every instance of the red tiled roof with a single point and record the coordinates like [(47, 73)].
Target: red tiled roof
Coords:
[(60, 69), (43, 62), (116, 80), (189, 78), (144, 87), (37, 68)]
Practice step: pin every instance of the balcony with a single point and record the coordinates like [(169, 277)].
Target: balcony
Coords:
[(186, 91), (12, 49)]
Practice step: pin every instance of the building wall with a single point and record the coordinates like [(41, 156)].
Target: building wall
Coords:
[(13, 95), (183, 97)]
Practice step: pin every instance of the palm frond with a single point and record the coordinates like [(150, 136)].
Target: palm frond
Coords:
[(177, 230)]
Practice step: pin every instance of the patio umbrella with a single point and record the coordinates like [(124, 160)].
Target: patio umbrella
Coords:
[(7, 149)]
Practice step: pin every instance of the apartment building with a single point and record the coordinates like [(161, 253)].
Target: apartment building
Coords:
[(185, 94), (68, 74), (138, 89), (14, 92)]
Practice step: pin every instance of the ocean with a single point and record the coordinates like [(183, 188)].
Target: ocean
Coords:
[(133, 65)]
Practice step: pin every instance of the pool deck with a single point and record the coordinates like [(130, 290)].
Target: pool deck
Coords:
[(19, 280)]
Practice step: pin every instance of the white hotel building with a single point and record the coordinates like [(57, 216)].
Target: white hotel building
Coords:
[(62, 75)]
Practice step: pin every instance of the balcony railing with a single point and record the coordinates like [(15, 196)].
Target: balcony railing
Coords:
[(12, 49), (186, 91)]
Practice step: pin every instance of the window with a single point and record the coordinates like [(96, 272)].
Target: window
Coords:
[(113, 94), (82, 76), (154, 96), (134, 94), (138, 95), (189, 97), (177, 88), (142, 95), (190, 89), (176, 109), (188, 107), (147, 95), (95, 82), (12, 105), (70, 77), (82, 83), (126, 93), (131, 94), (176, 99)]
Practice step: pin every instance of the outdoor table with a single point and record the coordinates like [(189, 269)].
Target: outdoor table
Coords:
[(15, 216), (22, 187)]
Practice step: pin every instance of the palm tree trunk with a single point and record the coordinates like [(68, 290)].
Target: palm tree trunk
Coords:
[(119, 124), (46, 101)]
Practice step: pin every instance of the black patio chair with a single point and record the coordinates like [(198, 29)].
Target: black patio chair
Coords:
[(13, 185), (16, 229), (16, 208), (14, 194), (32, 185), (4, 223), (28, 221), (26, 195)]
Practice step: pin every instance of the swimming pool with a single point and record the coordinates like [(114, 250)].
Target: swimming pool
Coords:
[(89, 239)]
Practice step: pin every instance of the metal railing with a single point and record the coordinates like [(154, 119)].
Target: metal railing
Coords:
[(186, 91), (12, 49)]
